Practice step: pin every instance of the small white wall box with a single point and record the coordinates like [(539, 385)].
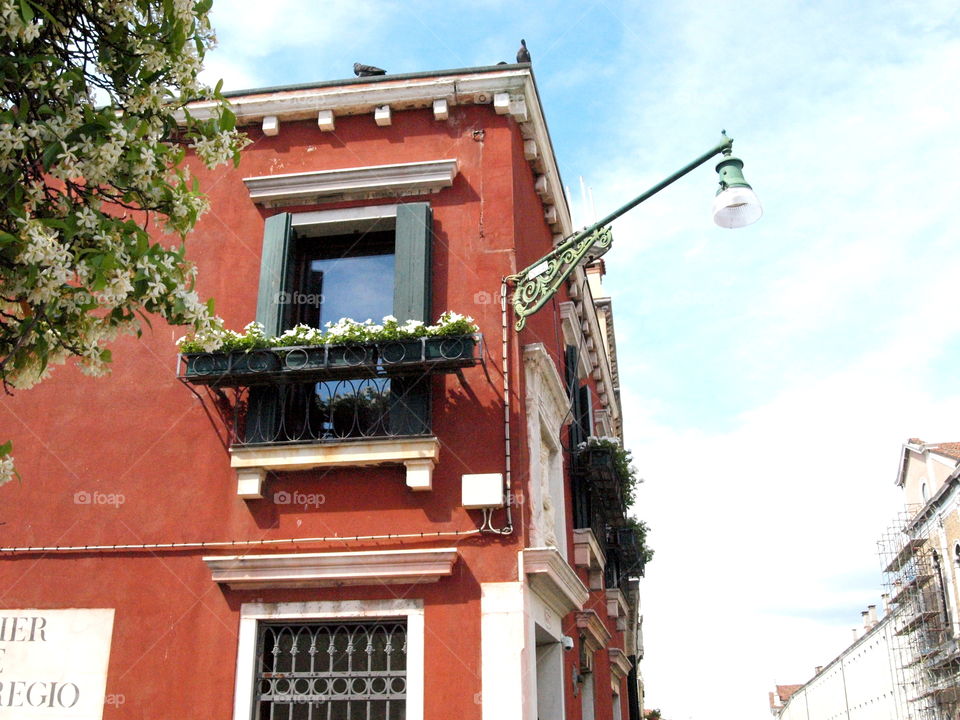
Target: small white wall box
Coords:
[(484, 490)]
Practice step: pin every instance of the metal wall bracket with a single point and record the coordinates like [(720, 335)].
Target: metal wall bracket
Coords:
[(538, 283)]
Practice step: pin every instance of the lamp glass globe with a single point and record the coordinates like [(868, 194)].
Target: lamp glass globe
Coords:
[(736, 207)]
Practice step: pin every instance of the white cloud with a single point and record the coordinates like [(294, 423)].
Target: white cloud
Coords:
[(255, 40), (821, 321), (751, 524)]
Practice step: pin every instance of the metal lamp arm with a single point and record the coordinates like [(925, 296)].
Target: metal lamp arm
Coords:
[(537, 283)]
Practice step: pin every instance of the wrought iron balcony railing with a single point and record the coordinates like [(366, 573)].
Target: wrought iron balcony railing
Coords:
[(332, 410), (388, 358), (327, 393), (599, 504), (597, 467)]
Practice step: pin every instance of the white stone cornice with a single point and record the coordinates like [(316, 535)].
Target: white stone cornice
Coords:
[(417, 454), (587, 554), (363, 98), (620, 666), (553, 580), (616, 603), (466, 87), (304, 570), (357, 183), (594, 632)]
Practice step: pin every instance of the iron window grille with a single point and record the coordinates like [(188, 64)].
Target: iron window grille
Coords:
[(332, 671)]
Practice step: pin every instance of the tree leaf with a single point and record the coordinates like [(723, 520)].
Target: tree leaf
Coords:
[(26, 12)]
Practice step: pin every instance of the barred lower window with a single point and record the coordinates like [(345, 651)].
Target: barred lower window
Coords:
[(332, 671)]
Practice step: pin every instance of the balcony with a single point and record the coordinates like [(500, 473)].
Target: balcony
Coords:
[(268, 366), (302, 407), (601, 494), (598, 467)]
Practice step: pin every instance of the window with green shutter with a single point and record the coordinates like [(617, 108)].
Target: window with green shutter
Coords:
[(318, 274)]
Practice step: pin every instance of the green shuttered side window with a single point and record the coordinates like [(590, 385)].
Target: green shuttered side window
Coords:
[(411, 301)]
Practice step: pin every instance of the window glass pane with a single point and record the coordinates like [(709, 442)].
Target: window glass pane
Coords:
[(357, 287), (343, 276)]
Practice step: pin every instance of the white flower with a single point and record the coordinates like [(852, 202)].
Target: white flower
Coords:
[(7, 472)]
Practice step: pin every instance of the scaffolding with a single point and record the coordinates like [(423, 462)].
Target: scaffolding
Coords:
[(927, 657)]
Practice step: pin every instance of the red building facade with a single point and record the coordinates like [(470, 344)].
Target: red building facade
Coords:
[(388, 530)]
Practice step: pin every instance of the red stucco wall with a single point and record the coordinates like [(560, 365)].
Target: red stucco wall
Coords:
[(145, 439)]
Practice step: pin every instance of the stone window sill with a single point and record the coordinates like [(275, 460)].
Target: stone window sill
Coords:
[(418, 455)]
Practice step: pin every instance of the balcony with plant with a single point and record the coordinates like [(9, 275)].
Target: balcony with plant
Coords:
[(351, 381), (605, 483), (347, 348)]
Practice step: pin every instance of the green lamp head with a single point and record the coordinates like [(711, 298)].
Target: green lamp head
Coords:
[(736, 205)]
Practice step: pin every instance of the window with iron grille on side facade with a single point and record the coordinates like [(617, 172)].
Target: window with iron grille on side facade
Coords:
[(332, 671)]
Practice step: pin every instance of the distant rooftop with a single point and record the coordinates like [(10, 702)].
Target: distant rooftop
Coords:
[(950, 449)]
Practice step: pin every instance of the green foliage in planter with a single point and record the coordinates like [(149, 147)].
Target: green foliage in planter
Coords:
[(344, 331), (622, 463), (640, 530)]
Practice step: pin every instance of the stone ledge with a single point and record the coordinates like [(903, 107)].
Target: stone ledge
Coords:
[(357, 183), (620, 666), (593, 632), (418, 455), (587, 554), (553, 579), (310, 570)]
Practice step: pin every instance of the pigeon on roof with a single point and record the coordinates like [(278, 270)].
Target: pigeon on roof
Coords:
[(361, 70), (523, 55)]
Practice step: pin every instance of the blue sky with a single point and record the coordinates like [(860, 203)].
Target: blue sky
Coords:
[(769, 374)]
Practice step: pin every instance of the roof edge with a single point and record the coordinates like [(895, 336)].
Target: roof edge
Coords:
[(375, 79)]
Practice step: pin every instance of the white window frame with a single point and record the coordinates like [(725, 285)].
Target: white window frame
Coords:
[(251, 614), (547, 412)]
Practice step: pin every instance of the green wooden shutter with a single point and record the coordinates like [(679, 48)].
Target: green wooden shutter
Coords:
[(411, 284), (410, 397), (275, 265), (586, 411), (571, 360)]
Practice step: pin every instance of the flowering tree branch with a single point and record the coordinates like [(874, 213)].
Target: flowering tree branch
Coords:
[(94, 128)]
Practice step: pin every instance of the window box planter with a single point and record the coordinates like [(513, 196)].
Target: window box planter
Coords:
[(454, 347), (305, 358), (254, 361), (597, 463), (198, 364), (340, 356), (217, 364), (398, 352), (305, 363)]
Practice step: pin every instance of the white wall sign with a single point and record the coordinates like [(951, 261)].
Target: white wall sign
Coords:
[(53, 663)]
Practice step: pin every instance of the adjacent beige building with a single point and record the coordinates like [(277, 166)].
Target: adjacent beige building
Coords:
[(859, 684), (921, 558), (905, 665)]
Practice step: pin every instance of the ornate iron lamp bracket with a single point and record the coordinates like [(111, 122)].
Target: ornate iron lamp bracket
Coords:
[(538, 283)]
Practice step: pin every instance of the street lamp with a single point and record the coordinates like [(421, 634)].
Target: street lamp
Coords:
[(736, 205)]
